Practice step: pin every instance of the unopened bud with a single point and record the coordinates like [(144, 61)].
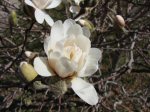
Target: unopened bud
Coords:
[(120, 20), (30, 54), (13, 18), (28, 71), (74, 9), (87, 24)]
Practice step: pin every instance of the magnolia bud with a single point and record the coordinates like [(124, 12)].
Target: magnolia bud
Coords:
[(87, 23), (28, 71), (74, 9), (120, 20), (30, 54), (13, 21), (13, 18)]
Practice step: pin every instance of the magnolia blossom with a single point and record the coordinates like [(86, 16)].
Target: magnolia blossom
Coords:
[(70, 56), (39, 6)]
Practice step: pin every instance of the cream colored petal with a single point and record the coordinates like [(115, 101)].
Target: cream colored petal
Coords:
[(84, 43), (95, 53), (46, 42), (29, 2), (39, 16), (42, 67), (67, 24), (91, 64), (53, 58), (49, 20), (57, 34), (85, 91), (86, 32), (54, 4), (75, 30), (64, 67), (42, 4)]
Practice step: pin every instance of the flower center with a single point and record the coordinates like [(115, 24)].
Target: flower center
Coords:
[(73, 53)]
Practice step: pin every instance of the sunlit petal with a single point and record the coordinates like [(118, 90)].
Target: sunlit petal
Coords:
[(83, 42), (49, 20), (85, 91), (75, 30), (57, 34), (54, 4), (86, 32), (39, 15), (67, 24), (41, 67), (64, 67), (91, 64)]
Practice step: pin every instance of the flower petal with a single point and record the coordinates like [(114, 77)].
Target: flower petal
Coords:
[(85, 91), (53, 58), (86, 32), (46, 44), (65, 68), (75, 30), (91, 64), (57, 34), (80, 40), (54, 4), (39, 15), (67, 24), (29, 2), (41, 67), (49, 20)]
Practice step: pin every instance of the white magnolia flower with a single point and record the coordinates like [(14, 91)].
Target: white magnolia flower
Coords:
[(39, 6), (70, 56)]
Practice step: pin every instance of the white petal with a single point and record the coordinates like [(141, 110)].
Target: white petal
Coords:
[(95, 53), (57, 34), (75, 30), (41, 4), (85, 91), (49, 20), (54, 4), (46, 42), (84, 43), (91, 64), (86, 32), (64, 67), (29, 2), (53, 58), (41, 67), (39, 15), (67, 24)]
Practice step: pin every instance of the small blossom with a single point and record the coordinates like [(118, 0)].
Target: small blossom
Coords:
[(70, 56), (39, 6)]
